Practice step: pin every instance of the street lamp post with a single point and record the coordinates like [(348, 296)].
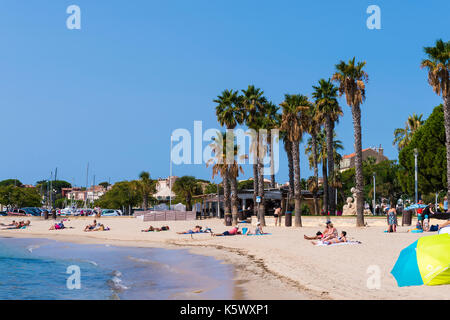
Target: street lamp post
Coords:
[(170, 174), (374, 174), (416, 153)]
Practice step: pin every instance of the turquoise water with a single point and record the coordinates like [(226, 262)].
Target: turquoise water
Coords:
[(37, 269)]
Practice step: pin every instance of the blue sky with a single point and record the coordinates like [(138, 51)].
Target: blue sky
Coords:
[(111, 93)]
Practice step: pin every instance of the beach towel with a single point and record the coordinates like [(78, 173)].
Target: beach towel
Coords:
[(264, 234), (338, 244)]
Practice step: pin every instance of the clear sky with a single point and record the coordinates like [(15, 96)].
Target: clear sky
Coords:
[(111, 93)]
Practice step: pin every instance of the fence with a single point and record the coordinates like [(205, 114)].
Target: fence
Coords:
[(168, 215)]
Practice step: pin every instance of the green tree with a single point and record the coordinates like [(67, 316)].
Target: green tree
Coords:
[(429, 141), (123, 195), (295, 108), (438, 64), (186, 187), (351, 79), (147, 188), (402, 136), (325, 95), (11, 182)]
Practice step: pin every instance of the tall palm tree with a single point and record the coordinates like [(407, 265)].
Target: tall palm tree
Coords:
[(403, 136), (288, 148), (325, 95), (295, 108), (351, 79), (253, 102), (322, 156), (227, 170), (438, 64), (313, 127), (147, 187), (229, 113), (186, 187), (271, 121)]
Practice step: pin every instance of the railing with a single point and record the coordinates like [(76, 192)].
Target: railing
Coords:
[(168, 215)]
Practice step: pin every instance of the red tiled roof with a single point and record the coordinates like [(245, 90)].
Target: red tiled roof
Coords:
[(351, 155)]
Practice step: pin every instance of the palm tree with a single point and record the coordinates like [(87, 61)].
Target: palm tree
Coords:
[(229, 113), (351, 79), (313, 126), (295, 108), (403, 136), (438, 64), (271, 121), (186, 187), (230, 170), (322, 156), (329, 111), (288, 148), (147, 187), (253, 102)]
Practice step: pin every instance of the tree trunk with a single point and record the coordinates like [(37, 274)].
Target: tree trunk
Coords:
[(297, 186), (255, 188), (262, 206), (447, 138), (325, 185), (356, 113), (234, 200), (316, 173), (226, 194), (288, 148), (188, 203), (330, 160)]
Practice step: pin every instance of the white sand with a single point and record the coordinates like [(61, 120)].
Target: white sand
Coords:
[(278, 266)]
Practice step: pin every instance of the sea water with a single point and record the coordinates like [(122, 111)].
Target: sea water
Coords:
[(43, 269)]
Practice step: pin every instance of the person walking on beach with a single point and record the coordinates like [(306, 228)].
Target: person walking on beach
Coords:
[(419, 212), (392, 219), (277, 215)]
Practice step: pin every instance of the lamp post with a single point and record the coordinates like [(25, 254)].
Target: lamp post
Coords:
[(170, 174), (374, 194), (416, 153)]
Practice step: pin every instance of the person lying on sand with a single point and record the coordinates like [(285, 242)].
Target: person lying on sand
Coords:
[(12, 224), (342, 238), (197, 229), (330, 232), (90, 227), (19, 225), (100, 227), (445, 224), (234, 231), (151, 228), (258, 230)]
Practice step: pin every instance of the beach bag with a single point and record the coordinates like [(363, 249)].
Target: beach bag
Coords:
[(434, 228)]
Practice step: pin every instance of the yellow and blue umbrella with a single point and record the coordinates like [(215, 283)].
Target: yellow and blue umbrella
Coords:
[(426, 261)]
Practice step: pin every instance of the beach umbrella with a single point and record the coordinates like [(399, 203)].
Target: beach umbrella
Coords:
[(426, 261), (416, 206)]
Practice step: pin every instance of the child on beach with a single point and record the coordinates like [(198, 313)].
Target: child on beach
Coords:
[(258, 230)]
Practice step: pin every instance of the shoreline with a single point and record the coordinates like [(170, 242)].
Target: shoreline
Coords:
[(280, 266), (244, 278)]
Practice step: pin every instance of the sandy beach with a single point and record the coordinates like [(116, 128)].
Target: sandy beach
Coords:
[(282, 265)]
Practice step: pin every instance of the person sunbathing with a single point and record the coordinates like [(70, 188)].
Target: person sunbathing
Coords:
[(13, 223), (151, 228), (90, 227), (258, 230), (445, 224), (234, 231), (197, 229), (101, 227), (57, 226), (18, 225), (340, 239), (330, 232)]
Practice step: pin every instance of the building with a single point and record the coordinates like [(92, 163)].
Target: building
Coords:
[(91, 194), (348, 161), (163, 192)]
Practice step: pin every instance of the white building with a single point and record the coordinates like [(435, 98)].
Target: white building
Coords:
[(163, 192)]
